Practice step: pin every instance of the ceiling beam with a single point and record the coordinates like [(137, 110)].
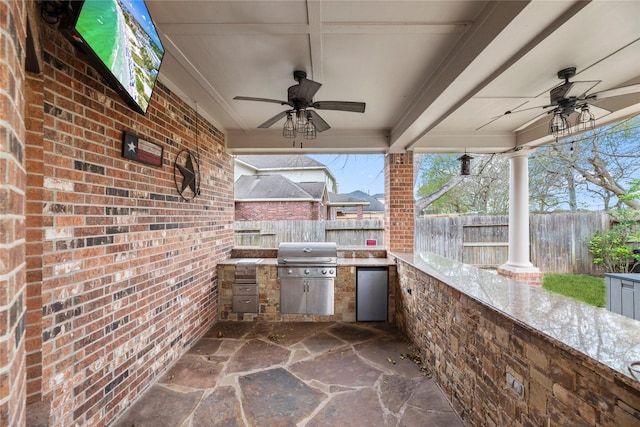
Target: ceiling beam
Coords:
[(314, 13), (315, 25), (394, 28), (269, 141), (493, 19), (436, 142)]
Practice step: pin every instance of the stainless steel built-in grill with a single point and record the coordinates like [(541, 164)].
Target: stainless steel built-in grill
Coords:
[(307, 272)]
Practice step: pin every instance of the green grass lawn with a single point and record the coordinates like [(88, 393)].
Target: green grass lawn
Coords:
[(589, 289)]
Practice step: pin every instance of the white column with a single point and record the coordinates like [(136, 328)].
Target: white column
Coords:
[(519, 257)]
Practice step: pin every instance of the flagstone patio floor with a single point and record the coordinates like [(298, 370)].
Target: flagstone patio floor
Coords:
[(294, 374)]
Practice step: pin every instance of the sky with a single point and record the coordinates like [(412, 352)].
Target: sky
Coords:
[(364, 172)]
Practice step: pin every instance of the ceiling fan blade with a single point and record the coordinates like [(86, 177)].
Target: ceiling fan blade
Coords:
[(624, 90), (532, 121), (493, 119), (274, 119), (307, 88), (318, 121), (250, 98), (598, 112), (580, 88), (539, 107), (356, 107)]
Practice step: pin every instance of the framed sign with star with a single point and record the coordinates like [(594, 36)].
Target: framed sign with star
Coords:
[(138, 149)]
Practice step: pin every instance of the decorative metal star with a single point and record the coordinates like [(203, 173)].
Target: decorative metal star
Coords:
[(189, 174)]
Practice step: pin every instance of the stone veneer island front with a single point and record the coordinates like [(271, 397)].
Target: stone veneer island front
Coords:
[(269, 285)]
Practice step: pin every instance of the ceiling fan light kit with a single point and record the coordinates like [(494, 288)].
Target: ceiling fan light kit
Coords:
[(572, 97), (300, 98)]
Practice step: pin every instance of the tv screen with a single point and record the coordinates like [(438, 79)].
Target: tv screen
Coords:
[(122, 43)]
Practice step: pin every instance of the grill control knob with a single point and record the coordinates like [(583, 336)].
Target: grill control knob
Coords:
[(307, 271), (324, 271), (289, 271), (330, 271)]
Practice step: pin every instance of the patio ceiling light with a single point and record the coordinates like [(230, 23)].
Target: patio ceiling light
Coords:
[(303, 124), (309, 128), (559, 125), (289, 129), (586, 120)]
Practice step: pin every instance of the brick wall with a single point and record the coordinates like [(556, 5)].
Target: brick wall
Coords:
[(12, 214), (35, 235), (121, 271), (471, 347), (399, 203), (277, 211)]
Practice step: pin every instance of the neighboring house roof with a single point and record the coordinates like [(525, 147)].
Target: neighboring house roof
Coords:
[(374, 203), (315, 189), (285, 161), (276, 187), (286, 164), (344, 200)]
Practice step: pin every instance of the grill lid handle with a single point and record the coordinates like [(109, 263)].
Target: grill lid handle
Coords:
[(307, 250), (306, 260)]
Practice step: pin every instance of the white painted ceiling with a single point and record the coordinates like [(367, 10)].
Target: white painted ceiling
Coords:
[(430, 72)]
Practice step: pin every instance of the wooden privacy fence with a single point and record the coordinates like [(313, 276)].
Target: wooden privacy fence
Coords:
[(559, 243), (268, 234)]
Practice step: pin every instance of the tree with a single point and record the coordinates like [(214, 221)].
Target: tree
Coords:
[(599, 164), (483, 192), (552, 183), (617, 249), (567, 175)]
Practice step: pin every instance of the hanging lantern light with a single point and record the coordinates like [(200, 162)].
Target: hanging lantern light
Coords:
[(465, 164)]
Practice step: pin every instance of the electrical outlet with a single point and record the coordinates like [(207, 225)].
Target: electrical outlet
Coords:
[(515, 385)]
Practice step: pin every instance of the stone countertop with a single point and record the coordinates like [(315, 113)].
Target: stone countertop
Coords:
[(609, 338), (359, 256), (357, 262)]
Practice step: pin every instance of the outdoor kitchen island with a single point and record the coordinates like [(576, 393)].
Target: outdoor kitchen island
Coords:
[(268, 284)]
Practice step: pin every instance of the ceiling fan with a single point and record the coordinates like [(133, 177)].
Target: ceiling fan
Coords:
[(302, 117), (572, 97)]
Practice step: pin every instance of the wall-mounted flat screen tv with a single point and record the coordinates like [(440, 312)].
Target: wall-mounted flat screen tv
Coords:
[(121, 42)]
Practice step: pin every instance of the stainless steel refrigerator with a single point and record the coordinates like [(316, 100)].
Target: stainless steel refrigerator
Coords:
[(372, 292)]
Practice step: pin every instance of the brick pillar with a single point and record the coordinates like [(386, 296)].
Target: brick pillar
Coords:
[(399, 202), (12, 215)]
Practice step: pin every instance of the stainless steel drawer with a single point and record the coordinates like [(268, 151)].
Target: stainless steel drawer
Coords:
[(245, 304), (243, 289), (245, 273)]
